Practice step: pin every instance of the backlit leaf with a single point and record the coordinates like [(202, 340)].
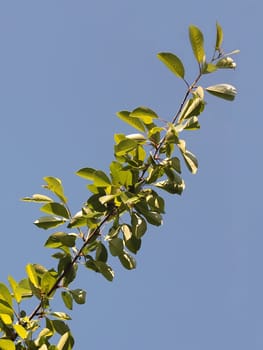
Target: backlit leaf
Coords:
[(197, 42), (134, 122), (55, 185), (145, 114), (173, 63), (219, 36), (6, 344), (55, 209), (99, 177)]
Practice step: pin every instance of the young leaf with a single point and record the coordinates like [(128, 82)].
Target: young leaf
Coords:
[(173, 63), (55, 185), (197, 42), (219, 36), (20, 331), (32, 275), (225, 91)]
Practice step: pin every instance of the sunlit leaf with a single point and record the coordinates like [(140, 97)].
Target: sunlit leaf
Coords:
[(124, 146), (219, 36), (145, 114), (32, 275), (59, 239), (6, 344), (47, 222), (99, 177), (55, 185), (134, 122), (21, 331), (173, 63), (5, 294), (60, 315), (191, 161), (197, 42), (225, 91), (38, 198), (55, 209)]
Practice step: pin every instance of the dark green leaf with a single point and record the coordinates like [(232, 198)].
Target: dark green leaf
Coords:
[(197, 42), (171, 186), (79, 295), (67, 299), (101, 252), (127, 261), (173, 63), (105, 270), (139, 225), (60, 326), (116, 246)]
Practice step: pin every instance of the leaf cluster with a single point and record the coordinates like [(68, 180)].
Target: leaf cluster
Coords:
[(121, 204)]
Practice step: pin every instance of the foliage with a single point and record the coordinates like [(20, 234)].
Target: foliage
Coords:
[(122, 203)]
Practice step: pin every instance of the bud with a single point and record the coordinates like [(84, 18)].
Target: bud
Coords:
[(226, 62)]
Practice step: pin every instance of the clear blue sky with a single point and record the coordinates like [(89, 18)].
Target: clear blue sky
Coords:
[(66, 68)]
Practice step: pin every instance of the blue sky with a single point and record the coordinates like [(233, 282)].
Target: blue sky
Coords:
[(66, 68)]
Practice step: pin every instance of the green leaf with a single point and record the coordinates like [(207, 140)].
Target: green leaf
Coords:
[(171, 186), (127, 261), (116, 246), (6, 344), (105, 270), (219, 36), (55, 185), (134, 122), (79, 295), (6, 319), (209, 68), (55, 209), (124, 146), (225, 91), (152, 217), (139, 225), (60, 315), (24, 289), (145, 114), (32, 275), (99, 177), (5, 294), (47, 282), (191, 161), (67, 299), (101, 252), (20, 331), (58, 239), (14, 287), (63, 341), (38, 198), (60, 326), (173, 63), (197, 42), (47, 222)]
